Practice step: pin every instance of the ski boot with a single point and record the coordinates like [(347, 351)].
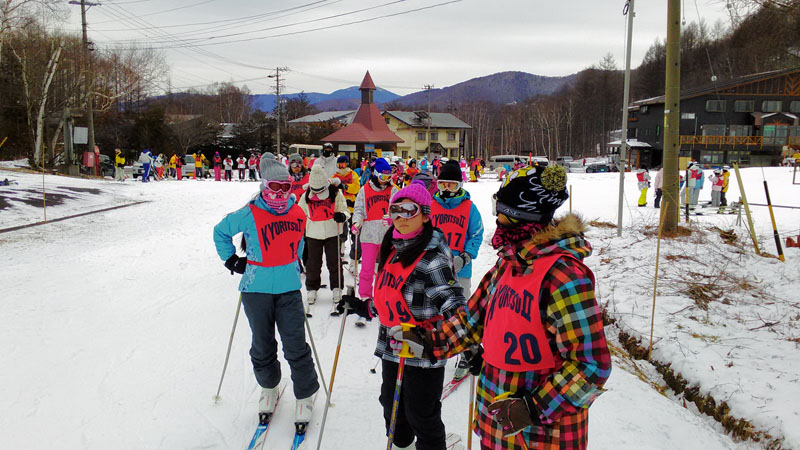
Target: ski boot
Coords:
[(462, 368), (266, 404), (337, 296), (303, 410), (312, 297), (411, 446)]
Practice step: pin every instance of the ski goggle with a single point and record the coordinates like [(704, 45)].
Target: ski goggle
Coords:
[(403, 211), (295, 164), (385, 177), (452, 186), (278, 186), (341, 165)]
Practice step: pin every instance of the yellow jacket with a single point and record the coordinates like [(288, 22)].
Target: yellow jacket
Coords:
[(351, 184), (198, 159), (173, 161), (725, 181), (119, 159)]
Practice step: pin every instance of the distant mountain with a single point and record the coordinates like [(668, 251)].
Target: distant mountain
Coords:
[(349, 96), (501, 88)]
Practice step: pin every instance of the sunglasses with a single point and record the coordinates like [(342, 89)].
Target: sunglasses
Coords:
[(279, 186), (452, 186), (403, 211)]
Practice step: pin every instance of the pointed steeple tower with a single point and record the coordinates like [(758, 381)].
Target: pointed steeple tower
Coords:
[(367, 89)]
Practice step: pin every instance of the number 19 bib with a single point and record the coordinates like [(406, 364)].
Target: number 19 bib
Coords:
[(514, 337)]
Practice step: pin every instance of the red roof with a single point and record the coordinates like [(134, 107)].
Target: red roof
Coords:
[(368, 126), (367, 83)]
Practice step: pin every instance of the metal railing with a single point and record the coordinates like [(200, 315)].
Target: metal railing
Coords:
[(747, 141)]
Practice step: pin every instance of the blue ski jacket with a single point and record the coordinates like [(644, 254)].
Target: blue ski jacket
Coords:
[(474, 236), (267, 280)]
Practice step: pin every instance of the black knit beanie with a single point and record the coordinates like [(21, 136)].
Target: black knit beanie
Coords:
[(533, 194), (450, 171)]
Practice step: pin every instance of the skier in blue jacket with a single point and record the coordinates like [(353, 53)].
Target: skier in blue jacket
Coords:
[(273, 226), (454, 213)]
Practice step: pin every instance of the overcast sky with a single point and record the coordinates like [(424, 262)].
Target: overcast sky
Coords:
[(441, 45)]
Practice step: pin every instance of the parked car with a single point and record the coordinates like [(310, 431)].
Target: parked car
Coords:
[(540, 161), (106, 167), (502, 160), (574, 167), (563, 160), (598, 167), (188, 167)]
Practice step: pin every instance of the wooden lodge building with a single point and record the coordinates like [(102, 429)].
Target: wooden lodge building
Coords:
[(753, 120)]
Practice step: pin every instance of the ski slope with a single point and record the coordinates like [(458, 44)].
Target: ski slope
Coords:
[(114, 327)]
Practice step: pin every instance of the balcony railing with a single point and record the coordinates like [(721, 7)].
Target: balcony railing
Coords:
[(747, 141)]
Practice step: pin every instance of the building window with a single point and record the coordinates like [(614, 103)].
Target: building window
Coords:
[(434, 136), (713, 130), (794, 131), (421, 136), (643, 109), (740, 130), (387, 121), (711, 158), (405, 154), (452, 136), (715, 105), (775, 134), (744, 105), (794, 107), (771, 106)]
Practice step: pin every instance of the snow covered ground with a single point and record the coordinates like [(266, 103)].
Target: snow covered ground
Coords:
[(115, 325)]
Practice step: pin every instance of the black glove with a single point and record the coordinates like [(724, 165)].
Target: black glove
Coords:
[(513, 415), (236, 264), (475, 359), (354, 305), (339, 217)]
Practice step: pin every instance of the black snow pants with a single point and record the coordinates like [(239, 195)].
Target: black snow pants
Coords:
[(314, 263), (420, 411), (265, 312)]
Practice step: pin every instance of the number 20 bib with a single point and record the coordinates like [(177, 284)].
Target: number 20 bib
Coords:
[(514, 336), (388, 297)]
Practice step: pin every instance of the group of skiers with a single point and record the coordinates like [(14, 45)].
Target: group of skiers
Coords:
[(690, 186), (532, 329)]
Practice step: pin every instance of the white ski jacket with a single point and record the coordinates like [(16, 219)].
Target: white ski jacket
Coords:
[(328, 228)]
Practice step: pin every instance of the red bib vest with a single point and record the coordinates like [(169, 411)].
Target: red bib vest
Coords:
[(320, 210), (376, 202), (387, 295), (278, 236), (514, 336), (640, 176), (453, 222), (297, 186)]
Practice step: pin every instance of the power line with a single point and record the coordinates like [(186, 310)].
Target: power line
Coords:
[(164, 11), (400, 13), (238, 20), (305, 22)]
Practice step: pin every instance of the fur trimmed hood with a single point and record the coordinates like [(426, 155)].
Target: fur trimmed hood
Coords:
[(563, 235)]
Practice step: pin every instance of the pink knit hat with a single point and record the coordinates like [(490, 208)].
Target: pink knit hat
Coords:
[(417, 193)]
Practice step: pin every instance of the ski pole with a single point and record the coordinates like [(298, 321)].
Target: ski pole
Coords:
[(774, 226), (404, 353), (216, 397), (316, 356), (375, 366), (471, 410)]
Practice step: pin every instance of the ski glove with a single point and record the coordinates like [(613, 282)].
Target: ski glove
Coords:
[(354, 305), (336, 181), (418, 339), (513, 415), (236, 264), (355, 229), (339, 217), (475, 359), (460, 261)]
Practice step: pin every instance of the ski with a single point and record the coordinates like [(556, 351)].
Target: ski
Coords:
[(260, 435), (452, 386), (453, 442), (299, 435)]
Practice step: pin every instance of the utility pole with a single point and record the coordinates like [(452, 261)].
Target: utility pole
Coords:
[(89, 76), (672, 102), (278, 107), (623, 138), (428, 88)]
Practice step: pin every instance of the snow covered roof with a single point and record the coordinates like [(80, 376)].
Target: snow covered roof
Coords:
[(342, 116), (631, 143), (439, 120)]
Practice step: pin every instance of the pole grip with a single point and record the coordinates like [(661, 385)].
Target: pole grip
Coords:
[(405, 352)]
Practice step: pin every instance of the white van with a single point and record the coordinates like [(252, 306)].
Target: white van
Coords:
[(501, 160)]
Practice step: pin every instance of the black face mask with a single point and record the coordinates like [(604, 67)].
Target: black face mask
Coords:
[(448, 194), (327, 153)]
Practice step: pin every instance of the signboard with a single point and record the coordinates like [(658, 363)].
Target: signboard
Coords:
[(347, 147), (689, 116), (80, 135), (369, 148)]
